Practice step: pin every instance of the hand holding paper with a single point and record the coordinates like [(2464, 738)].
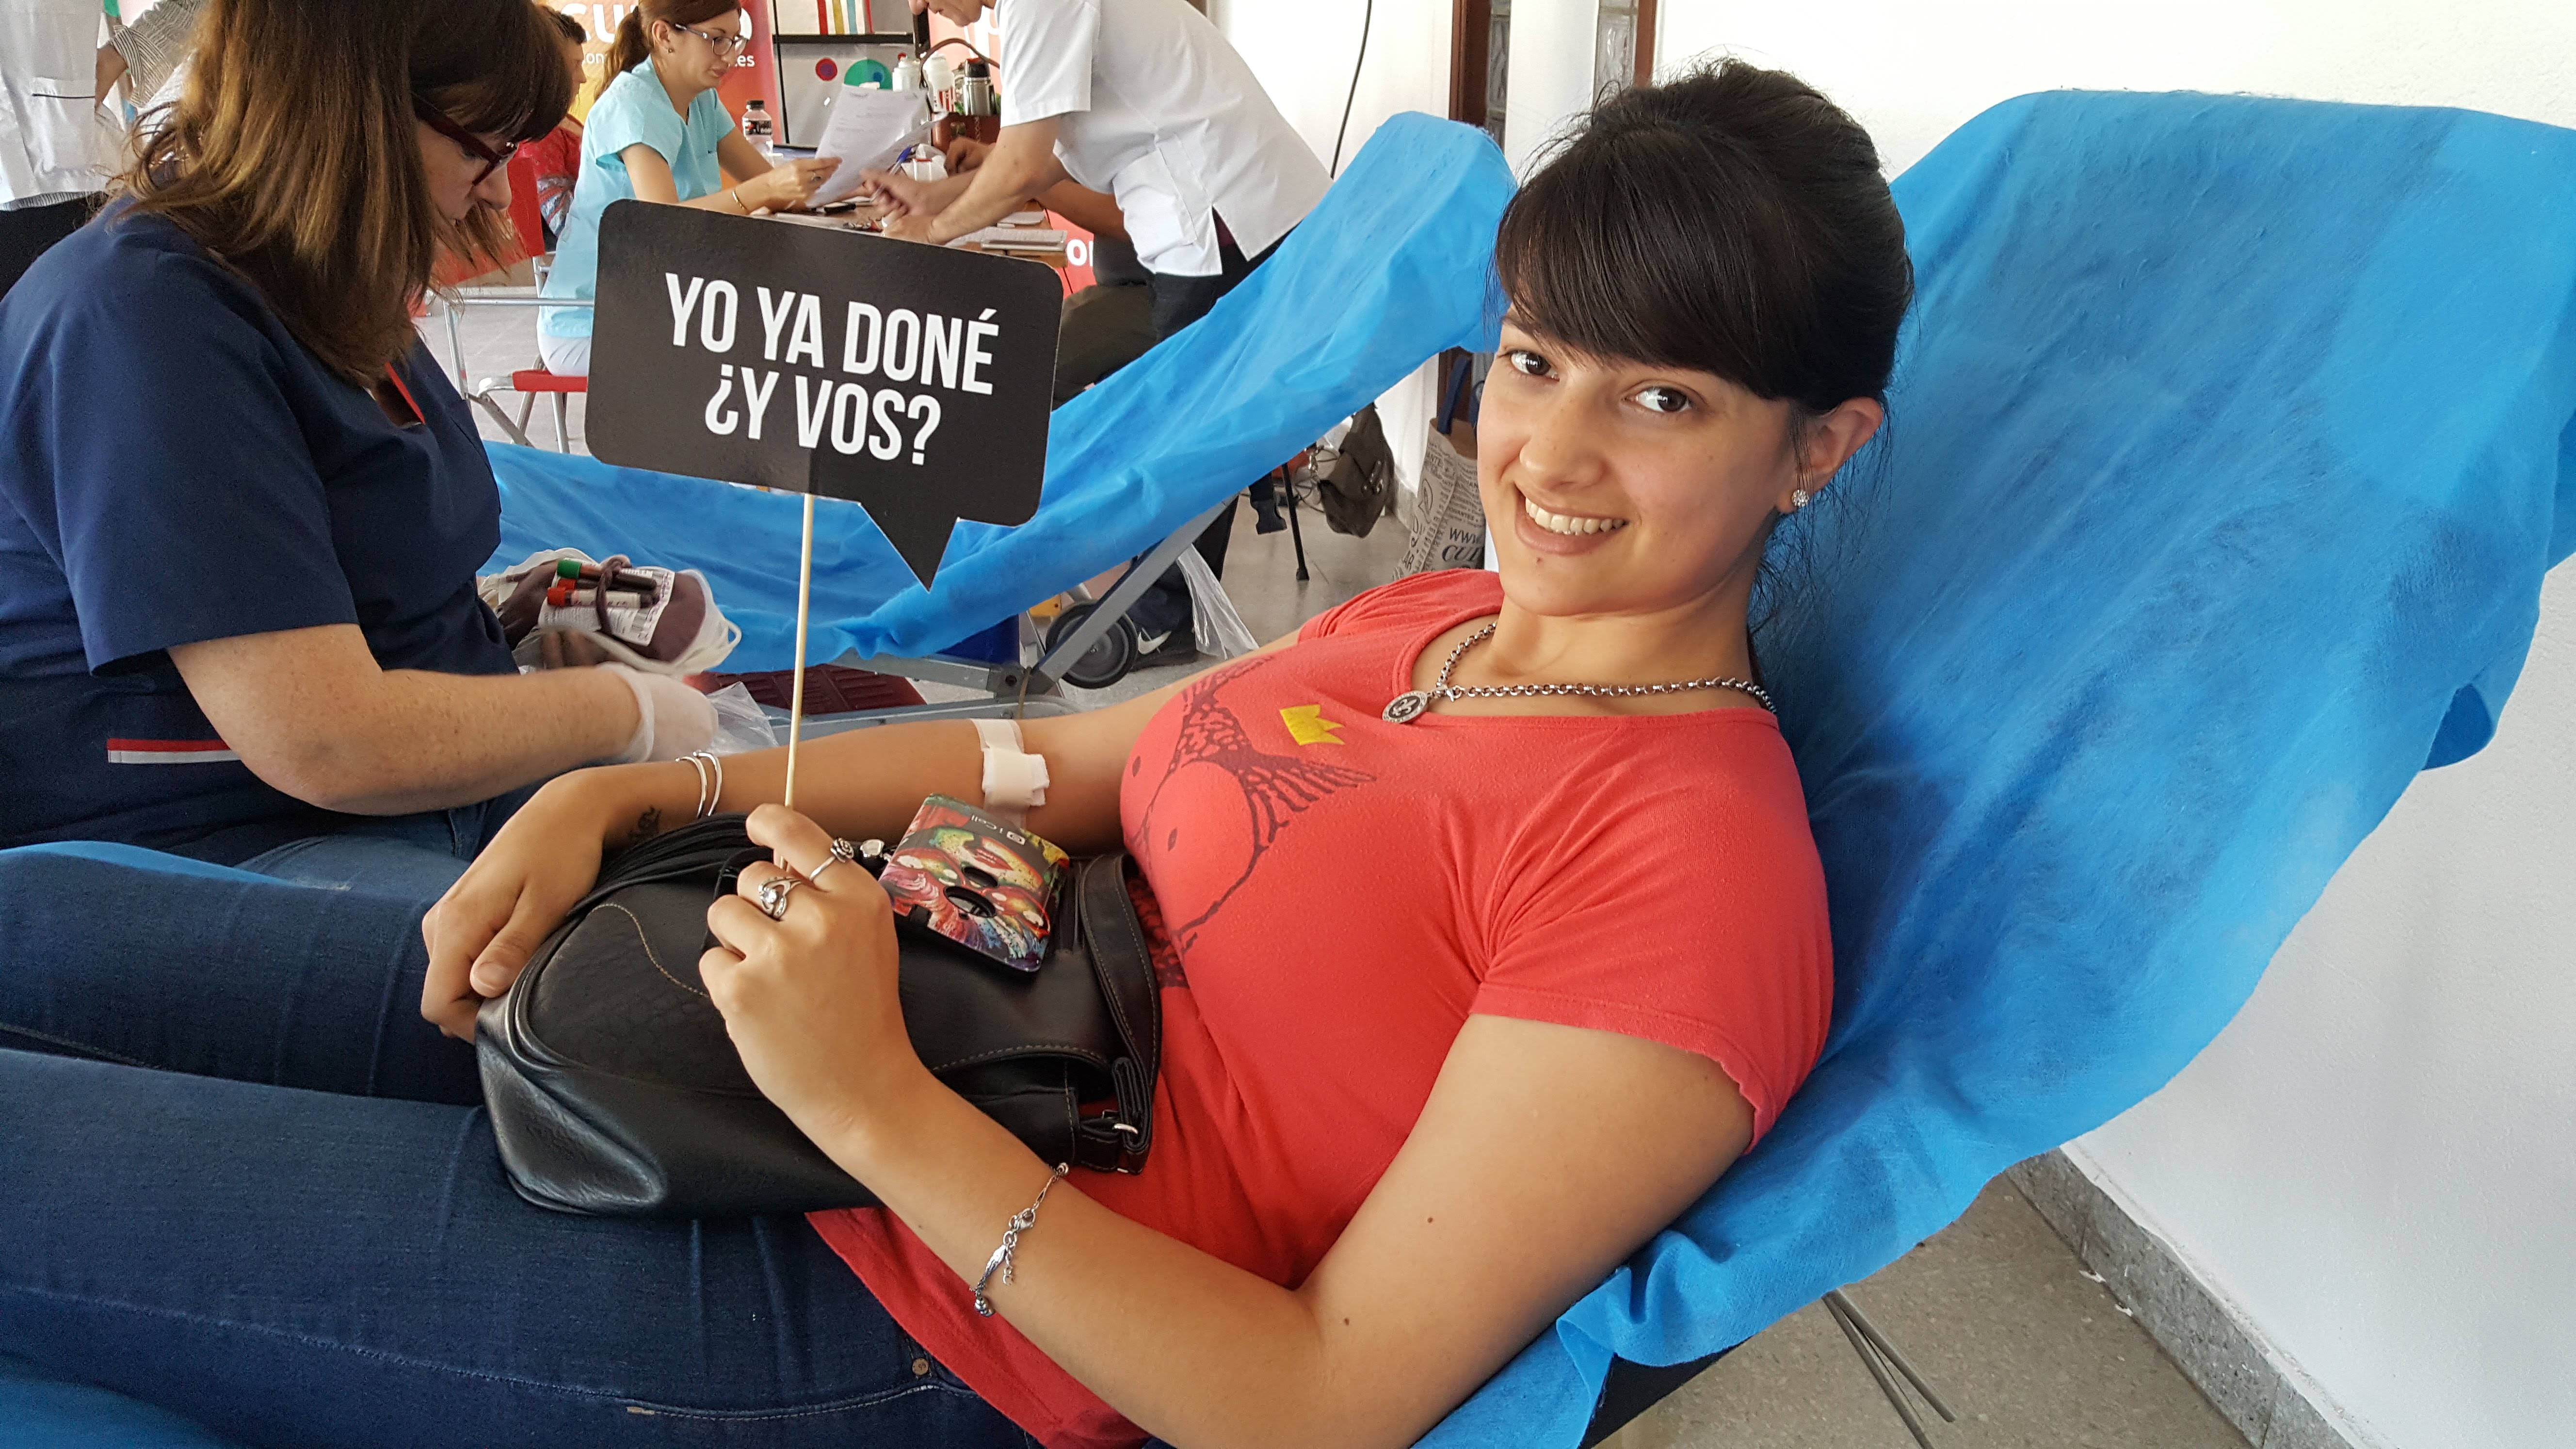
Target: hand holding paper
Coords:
[(785, 187), (867, 131)]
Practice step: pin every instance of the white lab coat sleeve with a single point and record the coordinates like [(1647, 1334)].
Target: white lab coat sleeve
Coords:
[(1048, 46)]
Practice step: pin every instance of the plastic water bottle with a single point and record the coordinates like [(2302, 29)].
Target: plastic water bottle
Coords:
[(907, 73), (758, 128)]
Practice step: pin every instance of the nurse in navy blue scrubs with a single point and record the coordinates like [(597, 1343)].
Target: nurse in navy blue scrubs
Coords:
[(241, 507)]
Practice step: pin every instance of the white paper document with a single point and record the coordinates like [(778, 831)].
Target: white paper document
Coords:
[(866, 131)]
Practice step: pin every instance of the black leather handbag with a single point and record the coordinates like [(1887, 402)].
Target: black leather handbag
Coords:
[(614, 1090)]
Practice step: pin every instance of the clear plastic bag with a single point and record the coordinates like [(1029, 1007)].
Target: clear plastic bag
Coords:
[(1214, 622), (741, 724)]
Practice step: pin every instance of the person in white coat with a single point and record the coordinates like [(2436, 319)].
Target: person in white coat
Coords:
[(1146, 100), (56, 145), (1143, 99)]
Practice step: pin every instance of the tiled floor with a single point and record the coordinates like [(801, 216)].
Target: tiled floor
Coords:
[(1995, 1310)]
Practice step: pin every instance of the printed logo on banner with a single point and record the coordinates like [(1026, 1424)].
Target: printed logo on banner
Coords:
[(913, 380)]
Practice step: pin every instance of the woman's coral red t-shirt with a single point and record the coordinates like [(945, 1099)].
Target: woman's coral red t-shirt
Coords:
[(1338, 894)]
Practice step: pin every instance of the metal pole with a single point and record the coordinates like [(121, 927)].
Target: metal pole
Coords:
[(1879, 1341), (1869, 1360), (1296, 535)]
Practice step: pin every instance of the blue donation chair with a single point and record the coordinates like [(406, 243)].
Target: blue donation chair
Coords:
[(2225, 465)]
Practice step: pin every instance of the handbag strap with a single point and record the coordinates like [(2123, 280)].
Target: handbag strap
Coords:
[(1117, 1140)]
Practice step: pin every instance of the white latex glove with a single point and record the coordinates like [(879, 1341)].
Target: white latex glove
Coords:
[(673, 719)]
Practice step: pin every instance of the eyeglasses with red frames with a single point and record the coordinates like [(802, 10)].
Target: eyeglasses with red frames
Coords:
[(493, 158)]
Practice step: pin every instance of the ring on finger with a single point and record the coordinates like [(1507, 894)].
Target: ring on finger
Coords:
[(841, 850), (771, 896)]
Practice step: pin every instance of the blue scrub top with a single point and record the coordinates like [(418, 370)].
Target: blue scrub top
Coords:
[(176, 467), (633, 110)]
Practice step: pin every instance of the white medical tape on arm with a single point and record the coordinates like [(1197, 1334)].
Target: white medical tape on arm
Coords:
[(1015, 781)]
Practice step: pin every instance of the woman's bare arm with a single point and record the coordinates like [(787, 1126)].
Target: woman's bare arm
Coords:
[(739, 159), (776, 187), (858, 784), (1545, 1155)]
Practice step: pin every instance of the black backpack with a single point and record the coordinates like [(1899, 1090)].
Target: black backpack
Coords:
[(1359, 488)]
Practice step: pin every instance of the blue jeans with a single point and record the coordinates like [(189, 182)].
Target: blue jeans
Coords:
[(246, 1182), (414, 857)]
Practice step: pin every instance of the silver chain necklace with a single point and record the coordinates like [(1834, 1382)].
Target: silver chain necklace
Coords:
[(1411, 705)]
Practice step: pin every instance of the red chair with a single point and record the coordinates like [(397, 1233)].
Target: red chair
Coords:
[(529, 383)]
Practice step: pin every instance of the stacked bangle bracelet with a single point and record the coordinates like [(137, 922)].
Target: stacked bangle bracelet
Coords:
[(710, 781)]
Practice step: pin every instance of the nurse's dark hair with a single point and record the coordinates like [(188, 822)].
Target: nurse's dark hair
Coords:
[(294, 157), (634, 42), (1732, 221)]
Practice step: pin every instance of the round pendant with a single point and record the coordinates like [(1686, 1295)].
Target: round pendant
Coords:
[(1407, 707)]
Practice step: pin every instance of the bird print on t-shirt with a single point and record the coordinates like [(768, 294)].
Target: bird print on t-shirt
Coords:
[(1200, 864)]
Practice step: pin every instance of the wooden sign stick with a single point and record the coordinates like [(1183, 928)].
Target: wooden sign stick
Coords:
[(804, 605)]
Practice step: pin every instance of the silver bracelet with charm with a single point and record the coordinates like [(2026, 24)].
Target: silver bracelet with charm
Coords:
[(1021, 1221)]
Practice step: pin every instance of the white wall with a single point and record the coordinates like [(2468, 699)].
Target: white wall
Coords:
[(1303, 54), (2375, 1165), (1913, 71), (2376, 1162)]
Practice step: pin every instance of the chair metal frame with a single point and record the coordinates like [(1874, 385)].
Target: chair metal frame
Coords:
[(1030, 691), (480, 394), (1631, 1389)]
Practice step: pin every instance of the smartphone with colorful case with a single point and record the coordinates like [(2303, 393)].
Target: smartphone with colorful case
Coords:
[(987, 886)]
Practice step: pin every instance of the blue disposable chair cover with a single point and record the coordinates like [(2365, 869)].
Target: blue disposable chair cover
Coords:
[(2227, 456), (1392, 267)]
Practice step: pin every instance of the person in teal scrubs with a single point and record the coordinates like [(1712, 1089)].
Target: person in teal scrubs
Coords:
[(659, 133)]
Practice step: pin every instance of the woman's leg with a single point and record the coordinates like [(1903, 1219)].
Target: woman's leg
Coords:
[(128, 955), (300, 1268), (413, 867), (413, 857)]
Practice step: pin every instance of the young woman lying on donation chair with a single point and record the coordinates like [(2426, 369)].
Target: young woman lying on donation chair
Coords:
[(1464, 997), (241, 507)]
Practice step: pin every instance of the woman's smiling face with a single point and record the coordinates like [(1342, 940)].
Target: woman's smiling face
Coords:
[(1623, 487)]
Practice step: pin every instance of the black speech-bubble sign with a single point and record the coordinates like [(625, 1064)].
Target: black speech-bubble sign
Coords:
[(913, 380)]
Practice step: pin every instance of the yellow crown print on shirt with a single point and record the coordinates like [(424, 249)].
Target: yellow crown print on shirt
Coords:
[(1307, 725)]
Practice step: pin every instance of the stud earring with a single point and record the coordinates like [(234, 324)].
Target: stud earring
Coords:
[(1798, 499)]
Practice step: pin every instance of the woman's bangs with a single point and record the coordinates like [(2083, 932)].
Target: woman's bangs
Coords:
[(513, 86), (1618, 251)]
